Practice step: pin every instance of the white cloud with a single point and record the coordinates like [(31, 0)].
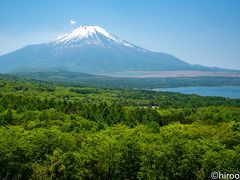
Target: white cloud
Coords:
[(72, 22)]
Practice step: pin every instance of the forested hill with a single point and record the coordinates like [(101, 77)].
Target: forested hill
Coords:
[(80, 79), (49, 131)]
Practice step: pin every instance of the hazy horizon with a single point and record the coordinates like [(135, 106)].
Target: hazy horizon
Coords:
[(205, 32)]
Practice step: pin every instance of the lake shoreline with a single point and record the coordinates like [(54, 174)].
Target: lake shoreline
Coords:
[(232, 92)]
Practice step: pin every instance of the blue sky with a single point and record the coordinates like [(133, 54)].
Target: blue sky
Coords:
[(203, 32)]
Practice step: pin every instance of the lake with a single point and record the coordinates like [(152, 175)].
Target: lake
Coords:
[(225, 91)]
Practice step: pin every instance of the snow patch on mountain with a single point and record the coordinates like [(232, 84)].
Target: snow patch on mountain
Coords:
[(95, 35)]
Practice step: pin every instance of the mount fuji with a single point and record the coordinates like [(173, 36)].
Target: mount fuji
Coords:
[(93, 50)]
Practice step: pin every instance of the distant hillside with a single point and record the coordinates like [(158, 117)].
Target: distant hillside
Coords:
[(73, 78)]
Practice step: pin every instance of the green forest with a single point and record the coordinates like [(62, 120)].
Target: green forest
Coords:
[(54, 131), (83, 79)]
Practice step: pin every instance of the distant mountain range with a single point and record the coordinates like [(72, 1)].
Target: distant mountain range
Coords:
[(93, 50)]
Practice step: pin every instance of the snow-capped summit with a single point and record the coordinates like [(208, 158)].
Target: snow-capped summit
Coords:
[(83, 32), (87, 35), (89, 49)]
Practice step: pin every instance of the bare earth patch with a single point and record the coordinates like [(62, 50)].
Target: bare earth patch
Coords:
[(164, 74)]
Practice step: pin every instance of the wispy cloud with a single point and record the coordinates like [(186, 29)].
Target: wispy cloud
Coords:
[(72, 22)]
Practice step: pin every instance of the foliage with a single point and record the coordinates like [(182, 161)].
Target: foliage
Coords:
[(49, 131)]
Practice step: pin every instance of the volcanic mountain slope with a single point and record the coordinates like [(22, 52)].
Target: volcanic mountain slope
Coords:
[(90, 49)]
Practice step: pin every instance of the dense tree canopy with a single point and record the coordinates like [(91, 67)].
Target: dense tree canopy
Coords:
[(49, 131)]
